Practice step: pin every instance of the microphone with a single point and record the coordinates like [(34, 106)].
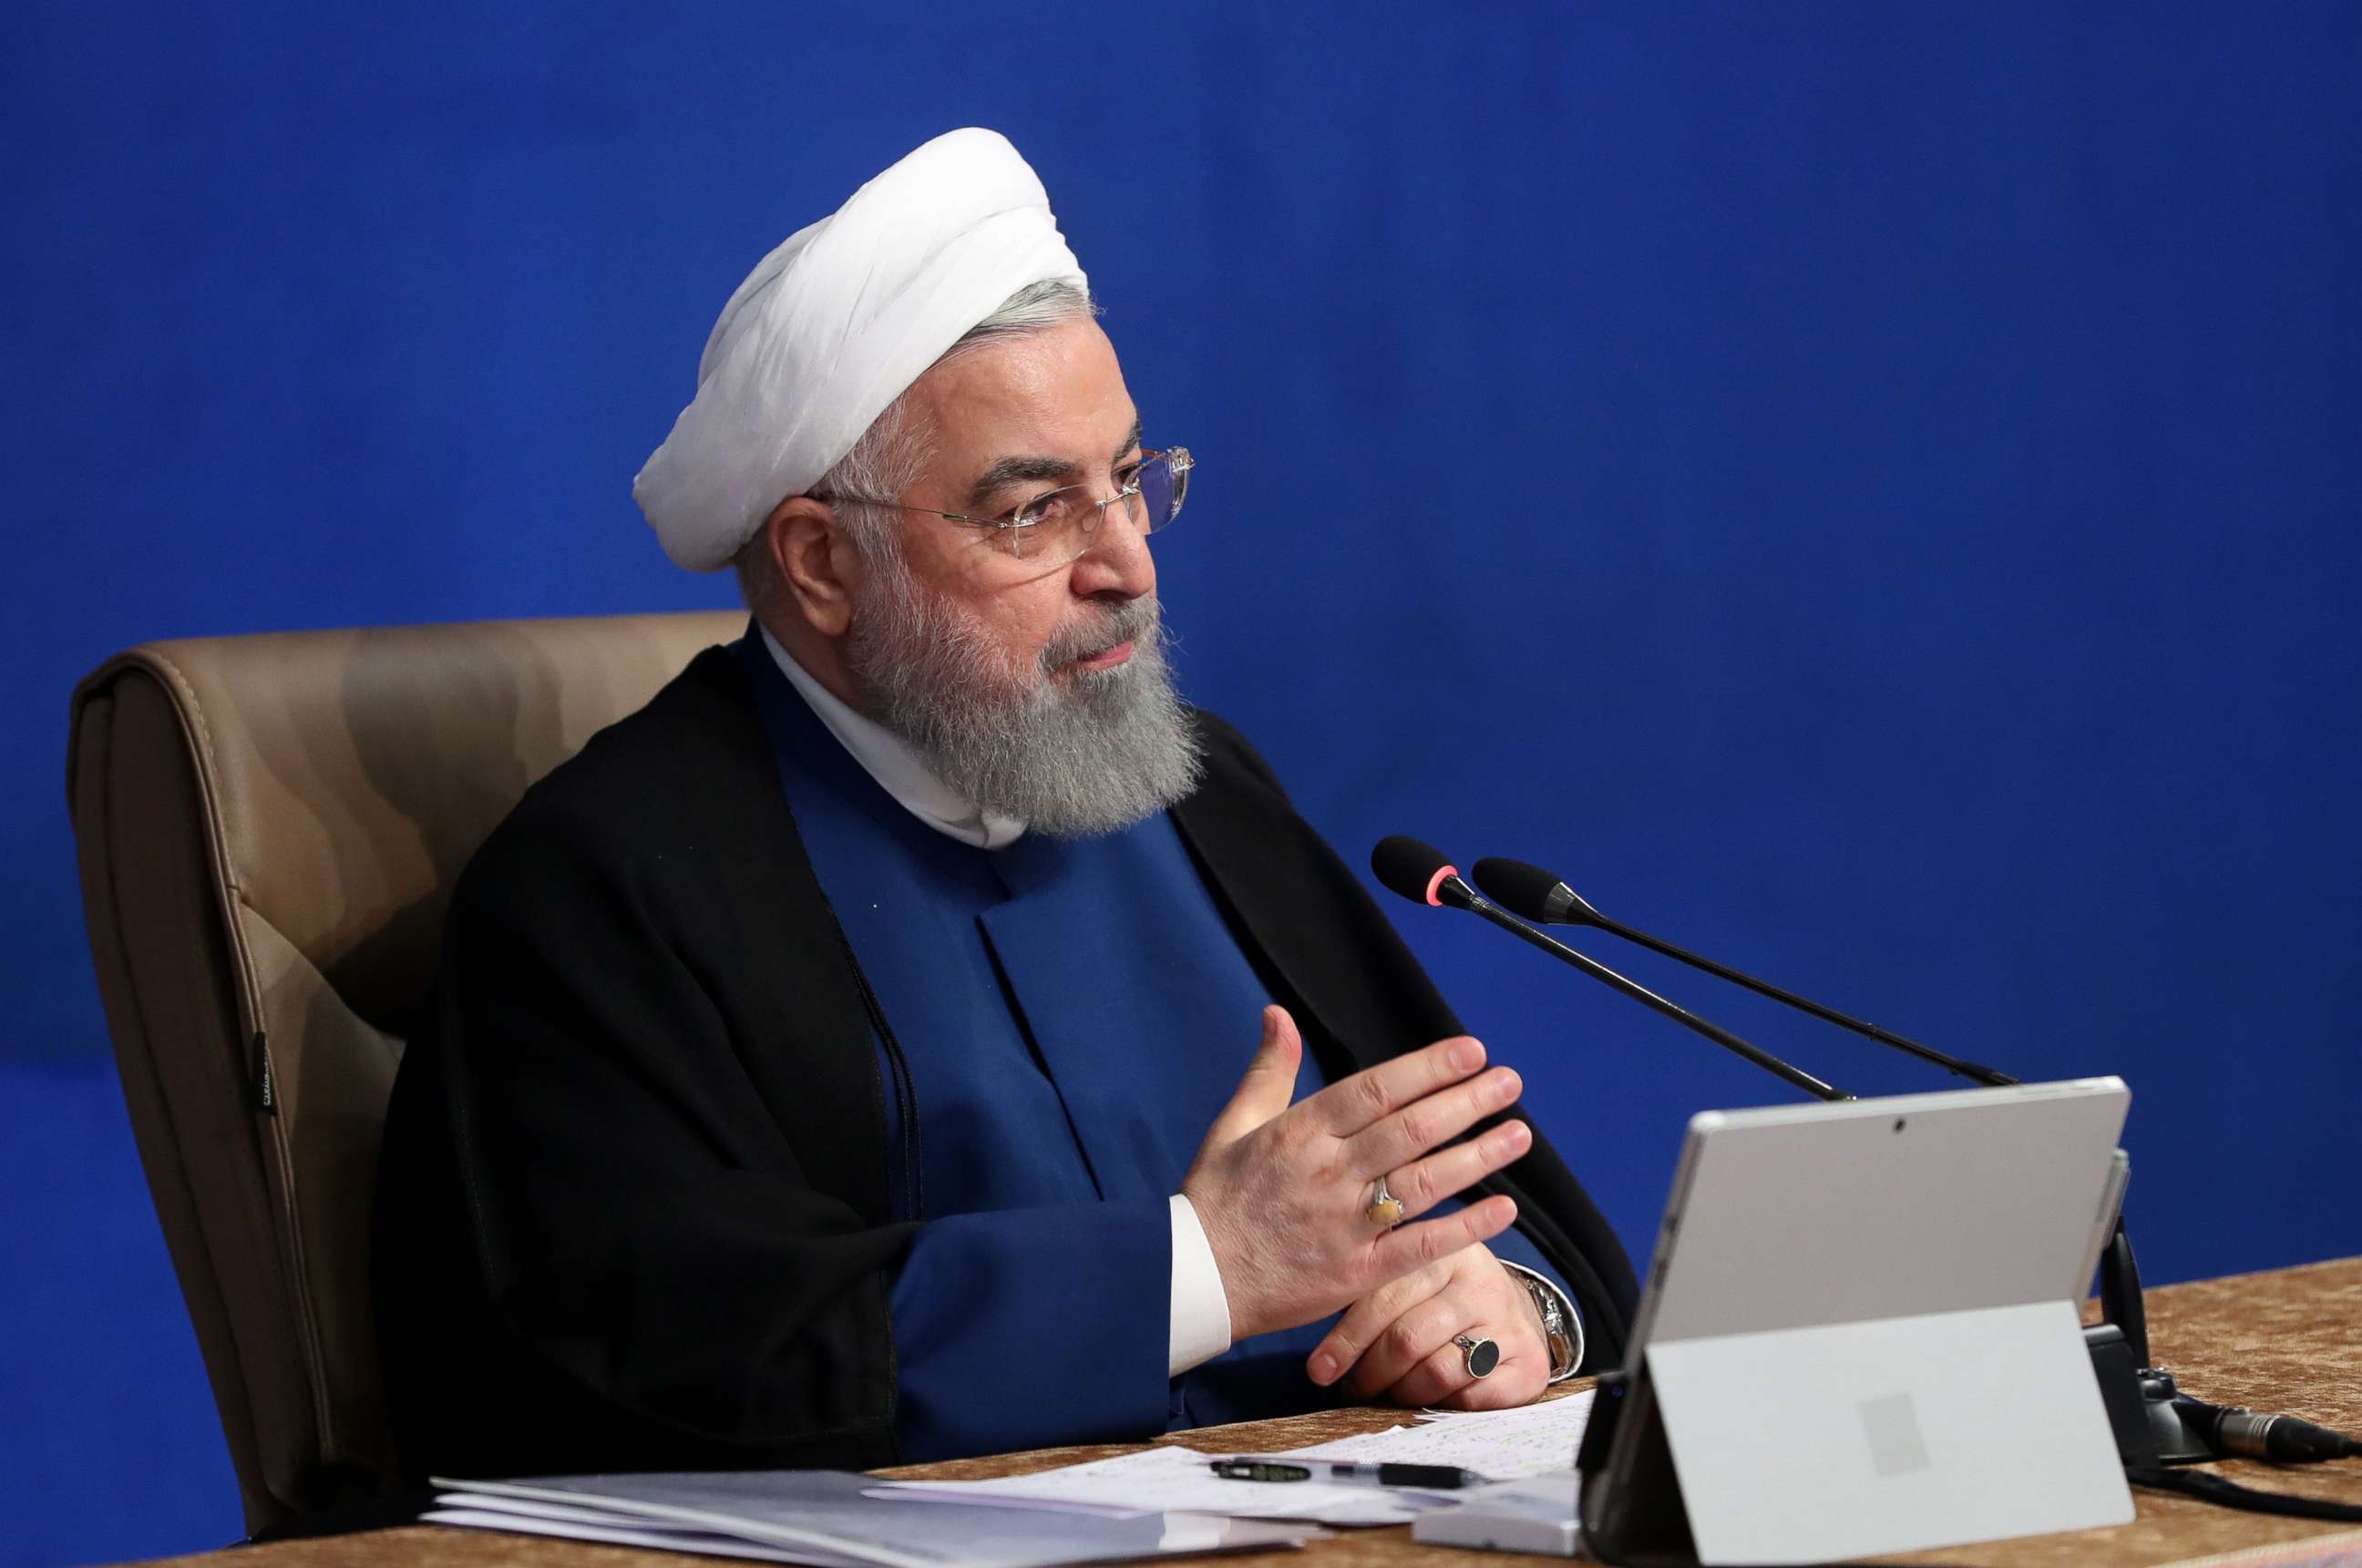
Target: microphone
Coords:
[(1534, 894), (1420, 873), (2235, 1433)]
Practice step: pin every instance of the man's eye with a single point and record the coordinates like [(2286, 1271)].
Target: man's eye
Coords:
[(1044, 509), (1127, 474), (1025, 512)]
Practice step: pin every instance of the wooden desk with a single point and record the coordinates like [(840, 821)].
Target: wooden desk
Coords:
[(2288, 1341)]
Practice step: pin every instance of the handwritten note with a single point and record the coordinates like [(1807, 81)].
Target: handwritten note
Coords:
[(1506, 1445)]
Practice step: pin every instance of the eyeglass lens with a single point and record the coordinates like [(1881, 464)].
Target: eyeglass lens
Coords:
[(1061, 523), (1160, 493)]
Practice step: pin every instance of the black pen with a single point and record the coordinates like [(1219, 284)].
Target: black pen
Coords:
[(1424, 1477)]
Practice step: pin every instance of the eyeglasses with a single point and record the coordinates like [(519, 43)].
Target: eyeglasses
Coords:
[(1058, 526)]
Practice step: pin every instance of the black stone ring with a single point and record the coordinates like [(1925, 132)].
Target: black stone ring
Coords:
[(1479, 1356)]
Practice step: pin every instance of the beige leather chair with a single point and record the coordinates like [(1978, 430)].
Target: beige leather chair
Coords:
[(268, 828)]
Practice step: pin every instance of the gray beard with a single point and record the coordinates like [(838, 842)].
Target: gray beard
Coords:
[(1093, 752)]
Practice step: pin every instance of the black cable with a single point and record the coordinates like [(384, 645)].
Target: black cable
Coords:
[(2225, 1493)]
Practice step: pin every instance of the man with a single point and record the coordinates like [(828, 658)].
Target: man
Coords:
[(837, 1062)]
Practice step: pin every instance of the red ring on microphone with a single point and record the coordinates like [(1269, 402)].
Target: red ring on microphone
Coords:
[(1436, 881)]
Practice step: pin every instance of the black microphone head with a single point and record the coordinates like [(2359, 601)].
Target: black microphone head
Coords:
[(1417, 871), (1531, 893), (1524, 891)]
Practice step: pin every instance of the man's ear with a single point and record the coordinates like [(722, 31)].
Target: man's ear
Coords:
[(815, 560)]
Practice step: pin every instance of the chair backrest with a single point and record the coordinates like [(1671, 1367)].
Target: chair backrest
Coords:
[(268, 830)]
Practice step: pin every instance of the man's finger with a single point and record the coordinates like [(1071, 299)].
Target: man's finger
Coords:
[(1269, 1083), (1495, 1308), (1347, 1105), (1440, 1374), (1403, 1345), (1410, 1247), (1508, 1387), (1427, 1123), (1366, 1319), (1423, 1184), (1442, 1379)]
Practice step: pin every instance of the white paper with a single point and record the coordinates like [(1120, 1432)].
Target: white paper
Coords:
[(1170, 1477), (1500, 1445), (829, 1517), (615, 1533)]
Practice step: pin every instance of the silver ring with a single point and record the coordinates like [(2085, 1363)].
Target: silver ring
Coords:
[(1385, 1211), (1479, 1356)]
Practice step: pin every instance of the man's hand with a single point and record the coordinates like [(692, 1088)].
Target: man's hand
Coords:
[(1396, 1343), (1282, 1189)]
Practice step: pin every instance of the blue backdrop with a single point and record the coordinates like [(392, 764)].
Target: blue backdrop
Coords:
[(1870, 491)]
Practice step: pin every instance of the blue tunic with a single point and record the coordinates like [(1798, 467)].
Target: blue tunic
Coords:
[(1073, 1014)]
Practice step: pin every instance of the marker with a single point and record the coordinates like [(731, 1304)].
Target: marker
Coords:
[(1425, 1477)]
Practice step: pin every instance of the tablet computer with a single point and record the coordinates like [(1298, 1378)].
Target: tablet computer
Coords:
[(1860, 1332)]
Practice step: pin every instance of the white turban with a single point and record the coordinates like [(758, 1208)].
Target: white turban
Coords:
[(831, 326)]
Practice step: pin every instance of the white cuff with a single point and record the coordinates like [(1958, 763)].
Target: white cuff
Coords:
[(1201, 1308)]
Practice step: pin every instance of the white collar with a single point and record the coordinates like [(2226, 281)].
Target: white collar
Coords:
[(888, 758)]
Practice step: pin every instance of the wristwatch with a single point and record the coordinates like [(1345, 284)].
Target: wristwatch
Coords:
[(1561, 1324)]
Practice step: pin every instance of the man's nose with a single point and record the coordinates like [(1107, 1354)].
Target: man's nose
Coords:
[(1117, 563)]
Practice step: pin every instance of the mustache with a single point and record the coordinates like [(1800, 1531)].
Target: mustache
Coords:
[(1138, 620)]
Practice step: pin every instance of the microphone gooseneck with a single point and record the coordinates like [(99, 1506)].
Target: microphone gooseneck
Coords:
[(1537, 895), (1420, 873)]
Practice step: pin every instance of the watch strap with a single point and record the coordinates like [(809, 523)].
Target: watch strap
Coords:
[(1561, 1324)]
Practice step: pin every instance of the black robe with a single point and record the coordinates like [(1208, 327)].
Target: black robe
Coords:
[(633, 1209)]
